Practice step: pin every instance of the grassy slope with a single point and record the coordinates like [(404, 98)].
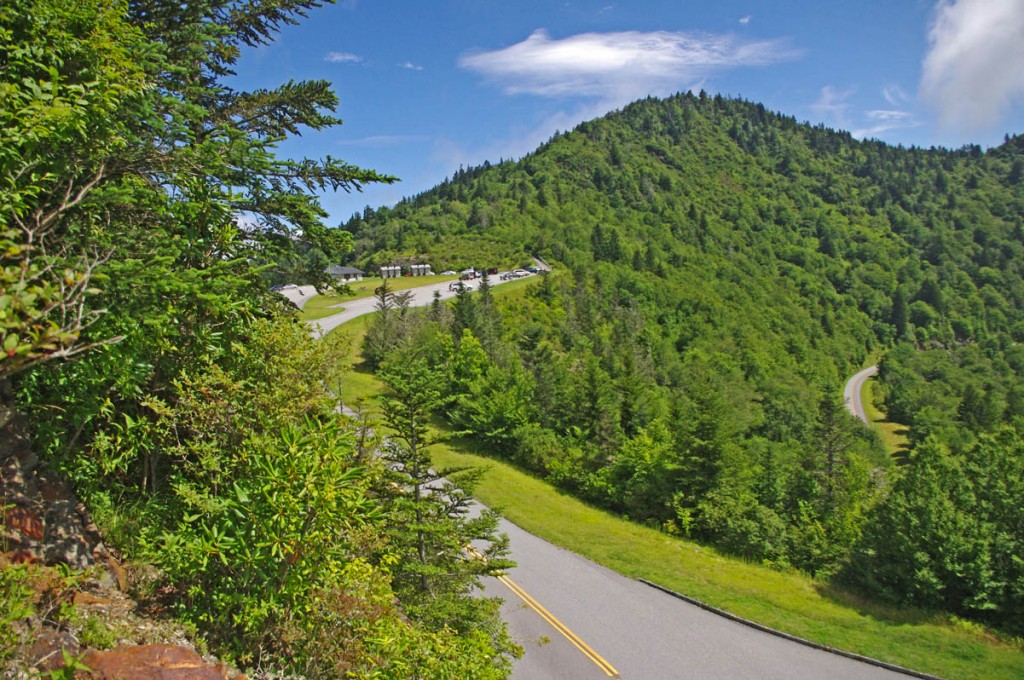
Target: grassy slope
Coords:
[(787, 601), (320, 306), (893, 435)]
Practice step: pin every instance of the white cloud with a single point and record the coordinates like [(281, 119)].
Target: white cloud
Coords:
[(746, 20), (974, 70), (618, 67), (342, 57), (411, 66), (832, 106), (895, 95), (888, 115), (881, 121)]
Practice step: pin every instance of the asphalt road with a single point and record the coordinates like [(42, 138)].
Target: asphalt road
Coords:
[(638, 631), (421, 296), (852, 393), (578, 620)]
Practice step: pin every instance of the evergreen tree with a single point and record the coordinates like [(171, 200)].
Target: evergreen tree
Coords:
[(433, 523)]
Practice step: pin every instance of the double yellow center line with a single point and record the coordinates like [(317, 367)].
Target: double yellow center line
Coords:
[(579, 644), (608, 669)]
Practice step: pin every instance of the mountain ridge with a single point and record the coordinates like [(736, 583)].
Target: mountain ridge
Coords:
[(724, 269)]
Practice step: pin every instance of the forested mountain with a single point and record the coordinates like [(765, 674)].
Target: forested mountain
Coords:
[(720, 269)]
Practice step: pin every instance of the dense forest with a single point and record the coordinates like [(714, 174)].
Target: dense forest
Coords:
[(187, 405), (719, 271)]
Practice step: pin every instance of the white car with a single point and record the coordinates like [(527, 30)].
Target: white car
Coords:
[(519, 273)]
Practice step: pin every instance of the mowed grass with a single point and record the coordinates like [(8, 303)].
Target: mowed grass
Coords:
[(787, 601), (359, 386), (894, 435), (321, 306)]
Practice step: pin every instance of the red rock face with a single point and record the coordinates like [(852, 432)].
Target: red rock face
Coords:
[(45, 651), (25, 521), (149, 662), (21, 556)]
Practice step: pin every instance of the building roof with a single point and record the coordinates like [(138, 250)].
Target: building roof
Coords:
[(337, 270)]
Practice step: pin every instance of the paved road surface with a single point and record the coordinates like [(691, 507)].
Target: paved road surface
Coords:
[(639, 631), (615, 627), (299, 295), (852, 393), (422, 295)]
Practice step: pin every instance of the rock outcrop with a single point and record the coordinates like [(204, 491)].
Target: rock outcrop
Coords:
[(46, 525)]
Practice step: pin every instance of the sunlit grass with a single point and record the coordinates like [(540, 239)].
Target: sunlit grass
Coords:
[(359, 386), (787, 601), (894, 435), (320, 306)]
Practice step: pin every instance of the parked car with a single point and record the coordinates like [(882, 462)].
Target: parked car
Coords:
[(533, 270), (520, 273)]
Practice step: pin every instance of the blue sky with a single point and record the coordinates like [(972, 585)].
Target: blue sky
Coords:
[(428, 86)]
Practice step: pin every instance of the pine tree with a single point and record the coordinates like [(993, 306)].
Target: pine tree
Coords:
[(433, 521)]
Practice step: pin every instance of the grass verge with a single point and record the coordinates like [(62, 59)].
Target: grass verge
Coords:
[(320, 306), (894, 435), (787, 601)]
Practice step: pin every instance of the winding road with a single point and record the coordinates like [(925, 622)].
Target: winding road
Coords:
[(421, 296), (578, 620), (853, 390), (638, 631)]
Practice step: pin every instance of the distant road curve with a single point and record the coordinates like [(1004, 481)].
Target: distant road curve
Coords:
[(421, 297), (852, 393), (601, 625)]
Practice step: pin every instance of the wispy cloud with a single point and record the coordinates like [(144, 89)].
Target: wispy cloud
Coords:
[(832, 106), (411, 66), (746, 19), (521, 140), (895, 95), (342, 57), (383, 140), (973, 71), (880, 121), (619, 67)]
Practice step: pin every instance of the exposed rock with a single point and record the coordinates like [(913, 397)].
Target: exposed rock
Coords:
[(45, 524), (118, 571), (46, 652), (151, 662), (25, 521)]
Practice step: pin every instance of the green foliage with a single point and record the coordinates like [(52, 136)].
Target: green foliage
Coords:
[(68, 84), (142, 213), (16, 595), (432, 526), (723, 268), (71, 665), (949, 534), (97, 634), (247, 559)]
